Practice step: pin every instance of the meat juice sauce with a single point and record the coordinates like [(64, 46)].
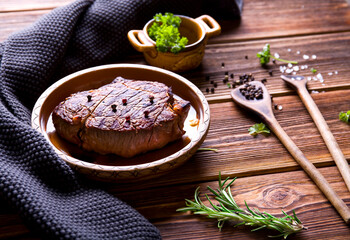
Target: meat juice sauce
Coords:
[(75, 151)]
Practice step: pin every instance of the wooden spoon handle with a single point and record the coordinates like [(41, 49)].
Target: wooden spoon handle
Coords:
[(327, 135), (310, 169)]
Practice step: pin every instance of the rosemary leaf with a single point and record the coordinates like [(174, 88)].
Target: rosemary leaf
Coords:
[(208, 149), (228, 210)]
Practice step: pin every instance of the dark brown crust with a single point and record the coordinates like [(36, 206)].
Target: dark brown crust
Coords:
[(138, 96), (138, 111)]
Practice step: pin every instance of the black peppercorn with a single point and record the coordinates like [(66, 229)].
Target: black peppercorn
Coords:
[(212, 90), (146, 113), (151, 98), (250, 92), (89, 98), (114, 107), (207, 90)]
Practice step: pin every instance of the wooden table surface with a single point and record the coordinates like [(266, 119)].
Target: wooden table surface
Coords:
[(268, 177)]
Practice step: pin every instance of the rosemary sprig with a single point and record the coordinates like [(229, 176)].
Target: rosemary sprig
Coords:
[(208, 149), (227, 209)]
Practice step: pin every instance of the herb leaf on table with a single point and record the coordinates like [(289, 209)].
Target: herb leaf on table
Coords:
[(313, 70), (227, 209), (265, 56), (344, 116), (258, 128)]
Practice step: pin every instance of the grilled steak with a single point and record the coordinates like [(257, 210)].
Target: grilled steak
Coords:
[(125, 117)]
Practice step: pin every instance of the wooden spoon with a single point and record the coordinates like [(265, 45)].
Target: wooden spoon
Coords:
[(262, 107), (299, 83)]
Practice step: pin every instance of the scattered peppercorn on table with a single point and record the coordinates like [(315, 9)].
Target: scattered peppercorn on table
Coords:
[(314, 33)]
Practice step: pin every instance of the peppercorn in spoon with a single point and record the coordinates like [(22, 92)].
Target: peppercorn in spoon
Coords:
[(254, 96)]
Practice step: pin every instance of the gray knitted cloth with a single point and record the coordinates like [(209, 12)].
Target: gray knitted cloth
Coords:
[(52, 199)]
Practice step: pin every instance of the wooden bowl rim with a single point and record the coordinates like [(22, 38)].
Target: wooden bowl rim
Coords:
[(202, 128)]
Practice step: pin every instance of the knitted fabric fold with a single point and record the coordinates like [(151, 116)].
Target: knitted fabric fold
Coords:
[(50, 197)]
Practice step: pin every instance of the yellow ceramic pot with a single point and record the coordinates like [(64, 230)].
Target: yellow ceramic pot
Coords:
[(196, 30)]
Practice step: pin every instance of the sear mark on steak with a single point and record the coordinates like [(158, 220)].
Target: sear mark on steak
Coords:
[(125, 117)]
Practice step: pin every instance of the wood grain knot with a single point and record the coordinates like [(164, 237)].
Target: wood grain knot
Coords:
[(280, 197)]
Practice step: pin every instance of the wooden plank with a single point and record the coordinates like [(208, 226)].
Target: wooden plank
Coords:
[(330, 57), (330, 54), (260, 19), (25, 5), (271, 193), (11, 225), (15, 21), (274, 18), (240, 154)]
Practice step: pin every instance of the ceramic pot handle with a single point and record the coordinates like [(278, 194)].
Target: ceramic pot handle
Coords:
[(139, 41), (211, 25)]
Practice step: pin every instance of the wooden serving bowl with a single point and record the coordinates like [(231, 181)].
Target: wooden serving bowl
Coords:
[(112, 167), (196, 30)]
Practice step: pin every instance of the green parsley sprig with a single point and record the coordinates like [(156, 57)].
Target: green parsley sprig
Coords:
[(227, 209), (344, 116), (265, 56), (164, 31), (258, 128)]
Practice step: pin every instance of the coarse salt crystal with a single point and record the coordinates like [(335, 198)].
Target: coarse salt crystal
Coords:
[(294, 73), (309, 78), (335, 72), (296, 68), (298, 52), (302, 67), (280, 107), (313, 56), (277, 55), (314, 78), (330, 73), (281, 69), (289, 70), (306, 57), (289, 49), (314, 91), (319, 76), (306, 66), (290, 65)]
